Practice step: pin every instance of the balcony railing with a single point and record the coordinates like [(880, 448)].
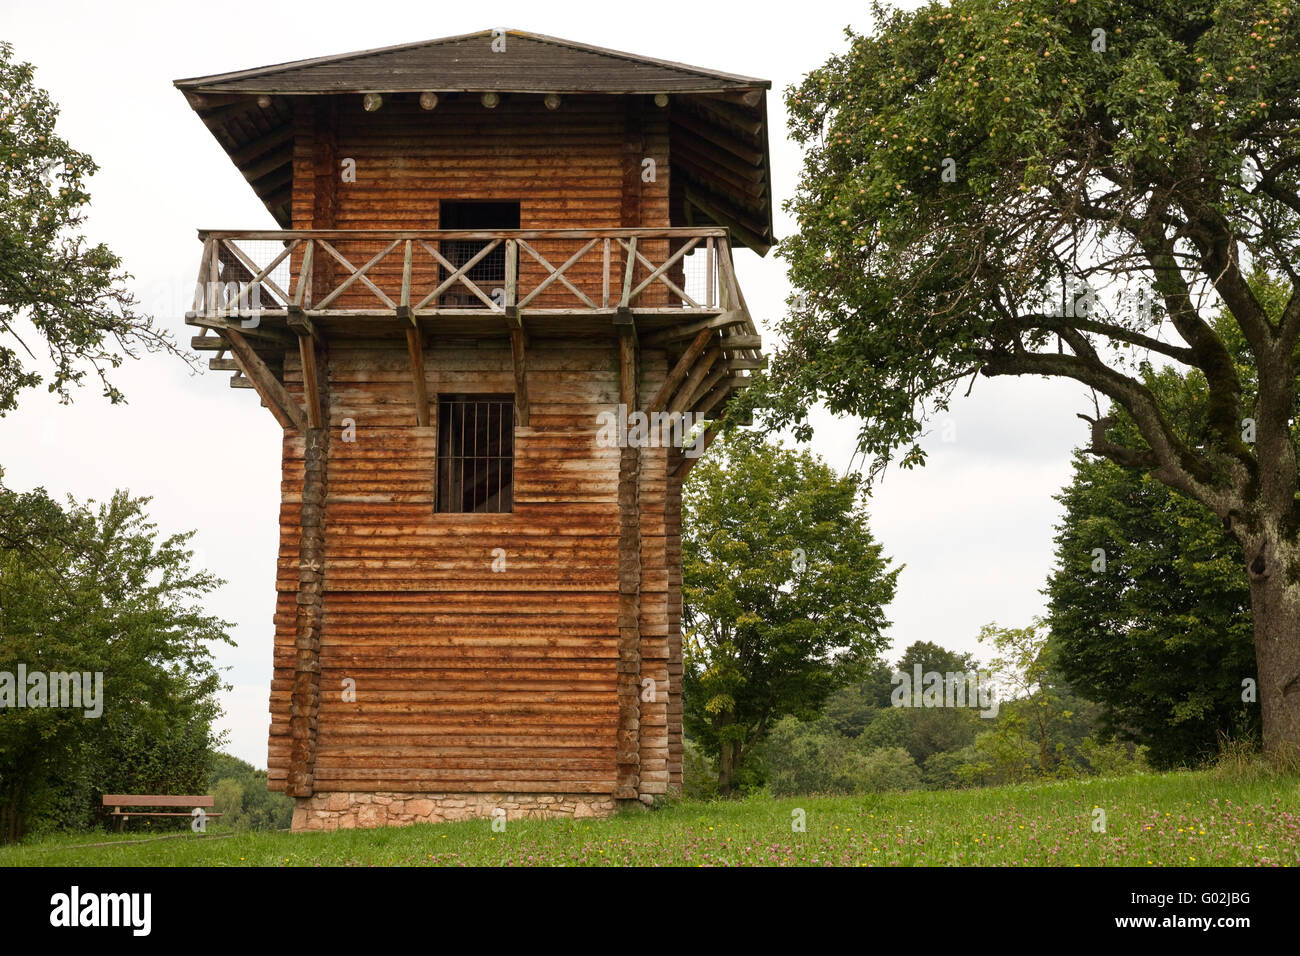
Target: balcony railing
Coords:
[(365, 272)]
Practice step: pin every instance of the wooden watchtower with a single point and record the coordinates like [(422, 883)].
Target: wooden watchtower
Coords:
[(496, 251)]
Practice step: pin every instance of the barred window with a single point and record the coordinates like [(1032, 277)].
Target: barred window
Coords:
[(476, 453)]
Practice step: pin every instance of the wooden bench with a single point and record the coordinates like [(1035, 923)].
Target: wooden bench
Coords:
[(119, 800)]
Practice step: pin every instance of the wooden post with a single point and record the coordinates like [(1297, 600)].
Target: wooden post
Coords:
[(604, 286), (304, 703), (512, 273), (414, 344), (624, 302), (310, 382), (415, 351), (707, 361), (660, 401), (708, 274), (518, 339), (628, 737)]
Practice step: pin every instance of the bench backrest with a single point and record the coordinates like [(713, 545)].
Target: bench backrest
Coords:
[(155, 800)]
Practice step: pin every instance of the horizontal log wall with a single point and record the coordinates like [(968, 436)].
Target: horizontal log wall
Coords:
[(572, 168), (469, 679)]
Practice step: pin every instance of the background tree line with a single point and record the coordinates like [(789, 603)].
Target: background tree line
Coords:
[(85, 586), (1139, 662)]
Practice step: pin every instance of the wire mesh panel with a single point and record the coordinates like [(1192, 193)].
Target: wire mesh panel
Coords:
[(693, 278), (489, 273), (476, 461), (238, 263)]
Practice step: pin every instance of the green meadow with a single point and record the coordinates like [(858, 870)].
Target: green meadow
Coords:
[(1172, 819)]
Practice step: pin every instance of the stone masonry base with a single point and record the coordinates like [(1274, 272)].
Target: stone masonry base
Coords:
[(349, 810)]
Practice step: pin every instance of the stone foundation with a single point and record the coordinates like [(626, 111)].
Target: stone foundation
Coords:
[(344, 810)]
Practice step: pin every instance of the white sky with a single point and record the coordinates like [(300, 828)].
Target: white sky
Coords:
[(974, 527)]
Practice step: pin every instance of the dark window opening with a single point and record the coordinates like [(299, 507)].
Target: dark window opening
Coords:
[(488, 273), (476, 453)]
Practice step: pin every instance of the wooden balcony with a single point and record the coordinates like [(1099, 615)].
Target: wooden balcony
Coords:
[(259, 292), (351, 273)]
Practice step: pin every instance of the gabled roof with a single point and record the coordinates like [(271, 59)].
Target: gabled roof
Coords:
[(530, 63)]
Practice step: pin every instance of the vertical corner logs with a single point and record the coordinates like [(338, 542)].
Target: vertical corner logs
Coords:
[(304, 705), (673, 549), (627, 757)]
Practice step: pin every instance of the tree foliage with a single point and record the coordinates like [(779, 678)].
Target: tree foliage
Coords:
[(71, 294), (242, 796), (1150, 614), (1028, 187), (95, 589), (784, 589)]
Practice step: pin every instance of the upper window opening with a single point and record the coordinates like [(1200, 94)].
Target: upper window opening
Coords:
[(488, 273)]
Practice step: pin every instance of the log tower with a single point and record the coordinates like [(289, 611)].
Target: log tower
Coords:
[(497, 322)]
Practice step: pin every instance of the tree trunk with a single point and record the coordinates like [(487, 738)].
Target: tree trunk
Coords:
[(1275, 610), (11, 814), (728, 751)]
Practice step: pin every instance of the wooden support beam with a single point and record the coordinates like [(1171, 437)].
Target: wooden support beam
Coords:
[(679, 371), (715, 209), (604, 282), (263, 144), (300, 324), (731, 343), (709, 132), (323, 112), (279, 161), (712, 162), (310, 381), (420, 390), (276, 179), (702, 368), (259, 332), (218, 115), (277, 398), (750, 98), (518, 341), (680, 332), (738, 119), (710, 399), (702, 443), (710, 383), (209, 101)]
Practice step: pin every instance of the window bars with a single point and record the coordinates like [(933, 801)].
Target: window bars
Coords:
[(475, 454)]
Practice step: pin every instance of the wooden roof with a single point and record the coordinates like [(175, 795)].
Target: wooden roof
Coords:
[(718, 146), (532, 63)]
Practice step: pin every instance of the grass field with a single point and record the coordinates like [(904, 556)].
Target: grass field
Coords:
[(1177, 819)]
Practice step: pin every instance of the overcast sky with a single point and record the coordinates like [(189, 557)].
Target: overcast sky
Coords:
[(974, 527)]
